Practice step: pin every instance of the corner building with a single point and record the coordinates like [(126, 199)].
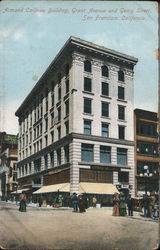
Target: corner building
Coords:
[(76, 125)]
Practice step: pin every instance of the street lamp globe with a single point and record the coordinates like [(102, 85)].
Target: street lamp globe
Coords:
[(145, 167)]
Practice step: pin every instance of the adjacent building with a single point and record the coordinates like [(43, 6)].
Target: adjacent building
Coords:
[(76, 124), (146, 152), (8, 164)]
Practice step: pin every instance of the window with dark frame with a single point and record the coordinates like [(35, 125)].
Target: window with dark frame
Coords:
[(58, 157), (121, 93), (67, 107), (59, 132), (105, 154), (66, 153), (51, 159), (67, 86), (87, 127), (67, 127), (46, 162), (121, 132), (87, 66), (123, 177), (105, 109), (104, 71), (59, 113), (87, 84), (121, 112), (87, 106), (121, 156), (105, 89), (120, 76), (87, 154), (105, 129)]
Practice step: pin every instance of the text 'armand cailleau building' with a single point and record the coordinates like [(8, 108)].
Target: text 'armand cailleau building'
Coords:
[(76, 125)]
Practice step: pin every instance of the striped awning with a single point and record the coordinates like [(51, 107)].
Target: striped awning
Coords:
[(97, 188), (62, 187)]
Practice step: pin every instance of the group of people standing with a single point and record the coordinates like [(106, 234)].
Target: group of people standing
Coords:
[(119, 208), (78, 202), (149, 203)]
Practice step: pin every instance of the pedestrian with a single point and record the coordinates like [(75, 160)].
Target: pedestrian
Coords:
[(122, 205), (40, 201), (116, 205), (81, 204), (60, 200), (94, 201), (151, 204), (146, 205), (130, 204), (22, 206), (74, 199)]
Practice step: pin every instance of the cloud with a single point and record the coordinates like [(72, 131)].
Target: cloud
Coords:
[(9, 120), (5, 33)]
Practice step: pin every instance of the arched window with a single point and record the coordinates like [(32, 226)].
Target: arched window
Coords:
[(67, 69), (87, 66), (105, 71), (121, 76)]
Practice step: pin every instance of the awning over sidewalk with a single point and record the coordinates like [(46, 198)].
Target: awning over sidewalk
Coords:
[(62, 187), (19, 191), (97, 188)]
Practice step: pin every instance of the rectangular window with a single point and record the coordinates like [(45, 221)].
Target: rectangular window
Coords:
[(87, 153), (58, 157), (67, 86), (59, 91), (123, 177), (67, 127), (121, 131), (46, 162), (105, 89), (59, 113), (105, 154), (87, 106), (46, 124), (40, 128), (66, 153), (67, 107), (59, 132), (40, 144), (87, 127), (121, 112), (46, 140), (30, 149), (52, 97), (105, 129), (52, 137), (52, 119), (30, 168), (121, 93), (30, 119), (87, 84), (121, 156), (30, 136), (105, 109), (46, 104), (51, 159)]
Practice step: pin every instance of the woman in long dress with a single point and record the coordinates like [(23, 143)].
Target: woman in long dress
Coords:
[(116, 205), (22, 206)]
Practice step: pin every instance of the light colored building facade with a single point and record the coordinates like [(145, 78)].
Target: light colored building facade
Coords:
[(8, 165), (78, 119), (146, 152)]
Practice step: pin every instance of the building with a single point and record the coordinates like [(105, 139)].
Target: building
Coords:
[(8, 164), (76, 124), (146, 151)]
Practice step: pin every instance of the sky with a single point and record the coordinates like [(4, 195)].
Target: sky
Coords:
[(32, 33)]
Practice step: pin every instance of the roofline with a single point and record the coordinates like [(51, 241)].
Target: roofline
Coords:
[(73, 39), (144, 110)]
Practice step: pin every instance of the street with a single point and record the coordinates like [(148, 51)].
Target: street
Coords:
[(63, 229)]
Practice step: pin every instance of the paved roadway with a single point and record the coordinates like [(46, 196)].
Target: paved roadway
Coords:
[(62, 229)]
